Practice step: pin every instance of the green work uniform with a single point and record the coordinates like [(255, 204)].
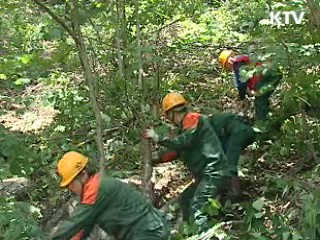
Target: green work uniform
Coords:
[(263, 82), (235, 135), (265, 89), (118, 209), (199, 148)]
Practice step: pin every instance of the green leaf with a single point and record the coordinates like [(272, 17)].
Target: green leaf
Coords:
[(258, 204), (285, 235), (60, 128), (296, 236), (256, 234), (25, 59), (98, 4), (22, 81), (15, 168), (258, 215), (215, 204), (106, 118), (3, 76)]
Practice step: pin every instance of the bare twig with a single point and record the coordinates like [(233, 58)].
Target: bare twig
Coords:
[(165, 26), (288, 55)]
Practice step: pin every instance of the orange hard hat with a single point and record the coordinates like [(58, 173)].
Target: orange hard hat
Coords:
[(172, 100), (69, 166), (224, 56)]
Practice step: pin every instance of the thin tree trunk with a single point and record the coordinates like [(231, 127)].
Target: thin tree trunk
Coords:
[(77, 36), (139, 55), (147, 161), (307, 134), (118, 41), (147, 170), (124, 35), (82, 51)]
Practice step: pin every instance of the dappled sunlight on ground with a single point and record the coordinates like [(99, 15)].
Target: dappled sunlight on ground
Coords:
[(168, 179), (33, 120)]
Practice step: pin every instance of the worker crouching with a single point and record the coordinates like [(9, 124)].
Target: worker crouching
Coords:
[(198, 146), (116, 207)]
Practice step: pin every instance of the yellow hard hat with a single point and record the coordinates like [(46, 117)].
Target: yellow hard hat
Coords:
[(172, 100), (69, 166), (223, 57)]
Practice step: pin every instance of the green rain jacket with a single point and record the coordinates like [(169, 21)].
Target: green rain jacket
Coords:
[(196, 145), (118, 209), (228, 124), (235, 135)]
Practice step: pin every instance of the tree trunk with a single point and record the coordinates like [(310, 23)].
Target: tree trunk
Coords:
[(119, 46), (82, 51), (77, 36), (147, 170), (147, 161)]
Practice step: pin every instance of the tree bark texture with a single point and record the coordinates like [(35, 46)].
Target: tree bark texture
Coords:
[(147, 161)]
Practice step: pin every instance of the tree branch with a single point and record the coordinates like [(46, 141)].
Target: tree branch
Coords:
[(57, 19)]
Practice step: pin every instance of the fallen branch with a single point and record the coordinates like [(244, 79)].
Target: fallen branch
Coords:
[(13, 186), (59, 215)]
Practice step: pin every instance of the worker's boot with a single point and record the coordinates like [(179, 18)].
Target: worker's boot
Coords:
[(235, 191)]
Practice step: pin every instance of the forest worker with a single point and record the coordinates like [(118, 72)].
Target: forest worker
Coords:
[(235, 134), (116, 207), (259, 79), (198, 146)]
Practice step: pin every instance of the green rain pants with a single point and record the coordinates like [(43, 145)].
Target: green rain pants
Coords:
[(195, 198), (157, 229), (235, 143), (266, 88)]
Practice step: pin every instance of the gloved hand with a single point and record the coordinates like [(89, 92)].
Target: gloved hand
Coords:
[(151, 134), (251, 93), (155, 157)]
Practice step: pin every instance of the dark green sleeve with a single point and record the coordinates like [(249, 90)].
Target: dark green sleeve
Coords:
[(183, 141), (82, 219)]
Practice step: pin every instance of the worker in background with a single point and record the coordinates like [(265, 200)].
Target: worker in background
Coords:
[(116, 207), (258, 79), (197, 145)]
